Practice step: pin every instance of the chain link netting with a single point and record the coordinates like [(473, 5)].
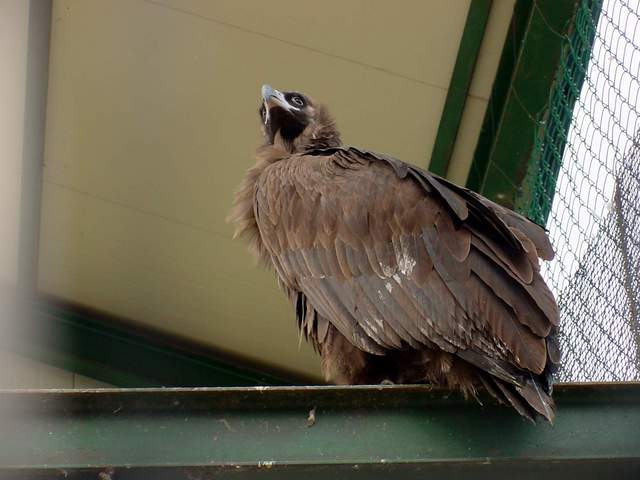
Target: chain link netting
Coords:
[(584, 184)]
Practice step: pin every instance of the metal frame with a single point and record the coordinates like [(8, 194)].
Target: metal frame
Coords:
[(315, 432), (520, 94), (544, 166), (468, 51)]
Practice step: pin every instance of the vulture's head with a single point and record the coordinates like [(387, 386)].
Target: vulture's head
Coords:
[(294, 121)]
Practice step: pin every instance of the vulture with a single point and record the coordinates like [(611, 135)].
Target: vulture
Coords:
[(397, 275)]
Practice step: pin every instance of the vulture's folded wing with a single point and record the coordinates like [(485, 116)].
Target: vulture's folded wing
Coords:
[(394, 256)]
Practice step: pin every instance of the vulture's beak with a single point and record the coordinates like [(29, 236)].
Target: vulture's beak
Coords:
[(274, 98)]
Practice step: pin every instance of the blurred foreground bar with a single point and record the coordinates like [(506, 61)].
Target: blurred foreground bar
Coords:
[(354, 432)]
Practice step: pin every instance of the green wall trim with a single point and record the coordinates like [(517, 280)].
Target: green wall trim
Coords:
[(115, 351), (501, 84), (519, 97), (459, 86), (539, 185), (364, 432)]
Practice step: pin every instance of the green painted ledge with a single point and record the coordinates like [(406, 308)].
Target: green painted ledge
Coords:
[(406, 432)]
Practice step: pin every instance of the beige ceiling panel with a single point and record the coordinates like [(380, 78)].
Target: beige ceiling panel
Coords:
[(158, 110), (416, 39)]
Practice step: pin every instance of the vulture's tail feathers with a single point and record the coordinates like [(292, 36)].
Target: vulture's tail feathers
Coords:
[(537, 398), (529, 394), (529, 400), (513, 399)]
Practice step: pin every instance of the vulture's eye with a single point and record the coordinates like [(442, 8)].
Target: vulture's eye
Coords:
[(297, 100)]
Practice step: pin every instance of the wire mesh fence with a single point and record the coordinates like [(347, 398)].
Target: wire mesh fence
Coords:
[(584, 184)]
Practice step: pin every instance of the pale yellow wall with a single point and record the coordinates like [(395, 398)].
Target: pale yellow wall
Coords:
[(21, 372)]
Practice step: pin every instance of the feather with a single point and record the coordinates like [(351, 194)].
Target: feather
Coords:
[(322, 329), (423, 263), (381, 305), (326, 304), (343, 262), (497, 368), (517, 264), (542, 403), (355, 261), (511, 293), (450, 269), (456, 240), (532, 231), (515, 401), (537, 289), (529, 350)]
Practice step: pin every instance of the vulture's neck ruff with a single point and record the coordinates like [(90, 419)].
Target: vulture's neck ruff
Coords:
[(293, 121)]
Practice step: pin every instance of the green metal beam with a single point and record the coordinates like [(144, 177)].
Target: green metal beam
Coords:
[(539, 185), (355, 432), (115, 351), (520, 94), (501, 84), (459, 86)]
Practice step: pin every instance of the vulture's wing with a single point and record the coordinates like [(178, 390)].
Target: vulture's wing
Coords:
[(392, 256)]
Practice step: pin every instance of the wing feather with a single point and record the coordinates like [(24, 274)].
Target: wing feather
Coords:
[(395, 257), (537, 289), (343, 261), (389, 307), (372, 313), (511, 293)]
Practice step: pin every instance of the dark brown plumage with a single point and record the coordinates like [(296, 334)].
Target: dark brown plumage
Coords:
[(395, 273)]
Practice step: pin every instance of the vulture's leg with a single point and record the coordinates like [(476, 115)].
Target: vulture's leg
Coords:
[(342, 363)]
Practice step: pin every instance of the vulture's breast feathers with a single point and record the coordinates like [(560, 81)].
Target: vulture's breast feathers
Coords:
[(396, 273)]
